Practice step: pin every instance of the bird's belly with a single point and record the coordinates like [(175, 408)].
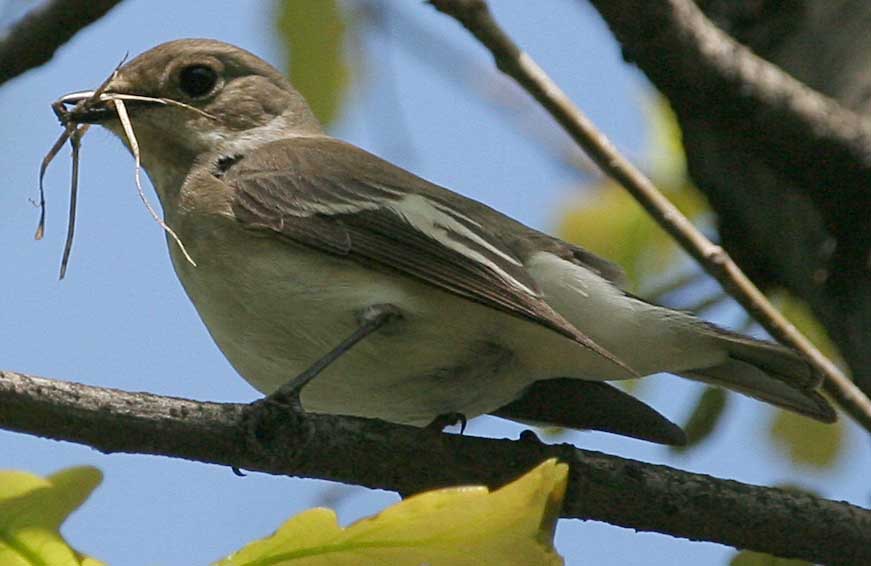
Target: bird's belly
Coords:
[(274, 309)]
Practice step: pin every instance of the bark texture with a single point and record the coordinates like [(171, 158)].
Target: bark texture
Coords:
[(380, 455)]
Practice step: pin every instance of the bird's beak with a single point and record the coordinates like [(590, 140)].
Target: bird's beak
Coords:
[(90, 107), (83, 107)]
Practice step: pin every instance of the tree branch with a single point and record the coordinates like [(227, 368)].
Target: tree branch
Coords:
[(405, 459), (476, 17), (823, 147), (33, 40), (760, 144)]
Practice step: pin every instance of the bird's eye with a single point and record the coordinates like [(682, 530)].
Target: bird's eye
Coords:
[(197, 80)]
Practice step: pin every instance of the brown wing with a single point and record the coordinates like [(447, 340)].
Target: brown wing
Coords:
[(340, 199)]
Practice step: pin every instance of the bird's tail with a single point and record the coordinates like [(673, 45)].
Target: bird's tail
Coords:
[(768, 372)]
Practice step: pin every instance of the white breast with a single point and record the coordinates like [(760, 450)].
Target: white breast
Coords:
[(274, 308)]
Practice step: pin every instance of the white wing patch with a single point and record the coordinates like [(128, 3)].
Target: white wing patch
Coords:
[(304, 209), (426, 216), (430, 218)]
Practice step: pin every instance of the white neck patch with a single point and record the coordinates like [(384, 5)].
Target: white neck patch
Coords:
[(239, 143)]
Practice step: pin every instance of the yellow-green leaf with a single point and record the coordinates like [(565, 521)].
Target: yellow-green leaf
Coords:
[(461, 526), (800, 315), (705, 416), (314, 32), (750, 558), (634, 385), (808, 442), (32, 510), (610, 222), (668, 163)]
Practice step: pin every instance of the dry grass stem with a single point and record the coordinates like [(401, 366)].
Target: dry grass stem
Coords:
[(76, 143), (124, 118), (112, 96), (73, 132), (49, 157)]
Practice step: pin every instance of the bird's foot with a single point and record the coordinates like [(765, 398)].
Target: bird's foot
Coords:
[(266, 420), (441, 422), (528, 435)]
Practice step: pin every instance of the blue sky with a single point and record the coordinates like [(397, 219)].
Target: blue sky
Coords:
[(120, 318)]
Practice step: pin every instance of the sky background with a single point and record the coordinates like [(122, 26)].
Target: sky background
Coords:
[(120, 318)]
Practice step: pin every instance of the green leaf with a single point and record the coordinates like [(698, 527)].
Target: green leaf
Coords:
[(635, 385), (668, 163), (609, 222), (313, 32), (32, 510), (703, 420), (808, 442), (800, 315), (750, 558), (462, 526)]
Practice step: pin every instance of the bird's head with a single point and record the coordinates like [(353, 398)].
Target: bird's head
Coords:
[(194, 97)]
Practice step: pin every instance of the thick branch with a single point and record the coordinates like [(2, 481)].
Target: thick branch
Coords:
[(33, 40), (380, 455), (810, 138), (476, 17)]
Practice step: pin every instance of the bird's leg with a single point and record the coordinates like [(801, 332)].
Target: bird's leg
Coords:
[(266, 414), (371, 319)]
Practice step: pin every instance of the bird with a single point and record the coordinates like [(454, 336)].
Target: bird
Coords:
[(395, 298)]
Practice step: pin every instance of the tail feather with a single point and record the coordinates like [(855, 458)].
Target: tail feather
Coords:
[(768, 372), (778, 361)]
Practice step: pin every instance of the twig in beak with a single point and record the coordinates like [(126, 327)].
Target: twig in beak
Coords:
[(49, 157), (76, 143), (74, 133), (124, 118), (166, 101)]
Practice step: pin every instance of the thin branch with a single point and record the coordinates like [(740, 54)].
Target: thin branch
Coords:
[(487, 84), (771, 126), (823, 147), (32, 41), (476, 17), (405, 459)]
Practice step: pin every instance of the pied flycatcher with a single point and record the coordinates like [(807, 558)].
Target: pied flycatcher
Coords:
[(300, 240)]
